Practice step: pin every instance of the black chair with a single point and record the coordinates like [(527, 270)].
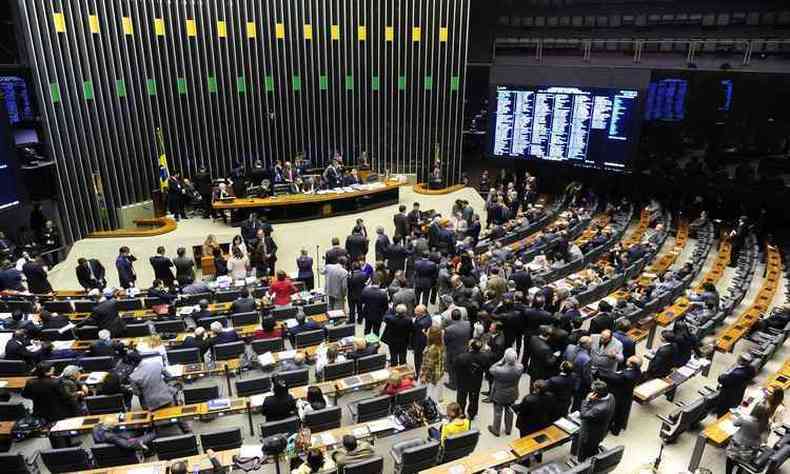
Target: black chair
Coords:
[(322, 420), (370, 408), (84, 306), (229, 350), (284, 313), (336, 333), (173, 447), (226, 296), (103, 404), (58, 306), (287, 426), (56, 335), (373, 465), (138, 330), (129, 304), (12, 411), (245, 388), (309, 338), (205, 323), (411, 395), (338, 370), (66, 460), (13, 368), (460, 445), (371, 363), (87, 333), (200, 395), (295, 378), (150, 302), (60, 364), (313, 309), (608, 460), (221, 440), (95, 364), (174, 326), (243, 319), (414, 455), (15, 463), (262, 346), (190, 355), (192, 300), (110, 455)]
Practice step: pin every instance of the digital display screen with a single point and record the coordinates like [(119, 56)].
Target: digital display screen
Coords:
[(591, 127), (16, 99), (666, 100), (726, 95)]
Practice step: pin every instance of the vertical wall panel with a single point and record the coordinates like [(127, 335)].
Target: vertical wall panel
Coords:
[(312, 76)]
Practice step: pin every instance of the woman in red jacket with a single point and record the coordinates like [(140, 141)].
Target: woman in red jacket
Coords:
[(282, 289)]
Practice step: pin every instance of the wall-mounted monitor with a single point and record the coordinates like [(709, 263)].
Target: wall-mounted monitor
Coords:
[(16, 99), (666, 100), (581, 126)]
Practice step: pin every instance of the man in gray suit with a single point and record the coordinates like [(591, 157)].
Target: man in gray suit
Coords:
[(336, 283), (596, 413), (456, 337)]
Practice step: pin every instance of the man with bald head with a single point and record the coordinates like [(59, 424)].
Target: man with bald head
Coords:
[(419, 336), (397, 334), (606, 351)]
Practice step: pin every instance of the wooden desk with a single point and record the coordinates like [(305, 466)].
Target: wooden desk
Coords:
[(296, 207), (145, 228), (5, 429), (538, 441), (199, 462), (475, 462)]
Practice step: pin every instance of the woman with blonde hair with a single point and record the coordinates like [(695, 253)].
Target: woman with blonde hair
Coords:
[(210, 245), (432, 369)]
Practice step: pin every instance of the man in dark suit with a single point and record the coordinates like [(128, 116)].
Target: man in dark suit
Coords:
[(16, 349), (105, 315), (603, 320), (521, 277), (401, 221), (203, 310), (542, 362), (267, 248), (124, 263), (162, 267), (357, 280), (175, 196), (446, 241), (244, 304), (456, 338), (396, 255), (36, 274), (90, 274), (535, 411), (397, 334), (52, 320), (202, 181), (249, 230), (426, 271), (629, 346), (663, 361), (419, 337), (415, 217), (185, 267), (733, 383), (382, 244), (332, 176), (335, 252), (596, 413), (470, 368), (356, 245), (621, 385), (374, 302)]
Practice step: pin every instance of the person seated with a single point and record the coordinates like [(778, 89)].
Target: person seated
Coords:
[(280, 405), (17, 349), (244, 304), (52, 320), (18, 321), (159, 290), (223, 335), (107, 431), (198, 339), (297, 363), (203, 311), (327, 355), (396, 384), (457, 423), (197, 287), (362, 349), (315, 401), (282, 288), (50, 402), (105, 346), (269, 329), (352, 451), (303, 324), (315, 462), (180, 467), (74, 390)]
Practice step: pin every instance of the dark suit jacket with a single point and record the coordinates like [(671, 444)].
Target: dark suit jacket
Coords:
[(456, 336), (600, 322), (333, 254), (36, 278), (470, 368), (398, 330), (535, 412), (396, 257), (84, 274), (356, 246), (105, 316), (425, 273), (542, 362), (382, 244), (629, 346), (125, 268), (356, 284), (17, 350), (402, 226), (374, 303), (243, 305), (563, 388), (662, 362), (50, 401), (162, 269), (733, 384), (523, 280)]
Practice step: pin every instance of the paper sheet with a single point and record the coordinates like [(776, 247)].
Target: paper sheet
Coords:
[(501, 455), (266, 359), (61, 345), (291, 323), (3, 383), (728, 427), (360, 432), (335, 313), (65, 328), (175, 370), (251, 451), (286, 355)]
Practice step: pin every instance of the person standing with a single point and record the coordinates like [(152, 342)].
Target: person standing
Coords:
[(542, 362), (36, 274), (562, 387), (124, 263), (505, 375), (596, 413), (282, 289), (733, 383), (305, 265), (396, 255), (426, 273), (335, 252), (185, 267), (357, 281), (374, 304), (356, 245), (175, 196), (535, 411), (469, 369), (397, 334), (401, 221), (419, 337), (268, 251), (456, 338), (238, 264), (433, 364), (90, 274), (336, 284), (745, 443), (50, 401), (621, 385), (162, 267), (382, 244)]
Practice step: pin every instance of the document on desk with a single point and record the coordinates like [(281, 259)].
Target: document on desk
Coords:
[(382, 374), (501, 455), (687, 371), (728, 426), (381, 425), (266, 359), (458, 469), (291, 323), (250, 451), (65, 328), (61, 345), (3, 383), (95, 378), (257, 399), (335, 314), (567, 425), (650, 388), (323, 439), (286, 355), (175, 370), (361, 432)]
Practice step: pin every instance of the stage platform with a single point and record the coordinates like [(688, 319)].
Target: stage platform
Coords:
[(301, 207)]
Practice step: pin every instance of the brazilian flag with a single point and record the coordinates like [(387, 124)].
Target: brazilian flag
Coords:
[(164, 173)]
